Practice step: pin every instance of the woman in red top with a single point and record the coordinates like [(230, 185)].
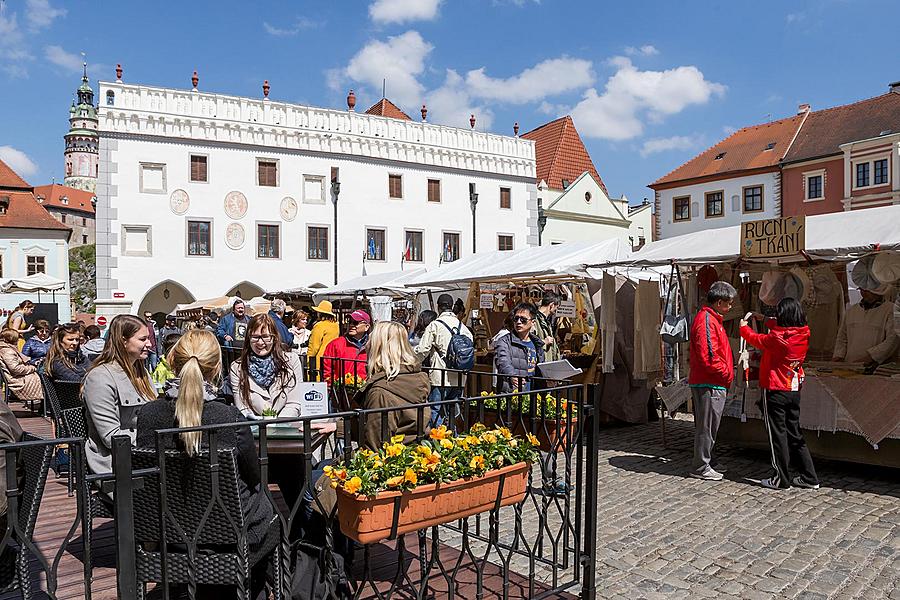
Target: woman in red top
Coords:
[(781, 376)]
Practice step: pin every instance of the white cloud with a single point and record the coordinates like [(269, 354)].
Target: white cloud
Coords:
[(299, 24), (549, 77), (71, 62), (795, 17), (18, 161), (13, 52), (403, 11), (41, 14), (676, 142), (452, 104), (645, 50), (399, 60), (728, 129), (632, 95)]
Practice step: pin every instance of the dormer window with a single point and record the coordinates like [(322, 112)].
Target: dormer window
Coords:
[(770, 145), (566, 183), (65, 200), (720, 155)]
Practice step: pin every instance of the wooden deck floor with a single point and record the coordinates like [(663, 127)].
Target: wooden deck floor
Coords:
[(58, 514)]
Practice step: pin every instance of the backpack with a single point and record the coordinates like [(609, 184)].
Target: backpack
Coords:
[(460, 353), (318, 573)]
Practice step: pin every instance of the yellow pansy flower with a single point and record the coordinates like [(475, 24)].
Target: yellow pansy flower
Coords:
[(394, 449), (411, 476), (445, 443), (532, 440), (440, 433), (505, 432), (353, 485), (477, 462), (395, 481), (397, 439)]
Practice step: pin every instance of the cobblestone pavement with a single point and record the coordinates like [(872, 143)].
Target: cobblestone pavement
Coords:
[(665, 535)]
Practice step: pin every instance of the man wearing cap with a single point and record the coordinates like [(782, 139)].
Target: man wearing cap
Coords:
[(323, 332), (232, 327), (277, 314), (347, 354), (168, 329), (433, 347)]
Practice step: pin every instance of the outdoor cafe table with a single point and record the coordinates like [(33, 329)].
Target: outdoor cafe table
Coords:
[(288, 439)]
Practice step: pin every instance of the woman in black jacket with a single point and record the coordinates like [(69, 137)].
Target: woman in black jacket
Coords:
[(189, 400), (65, 361)]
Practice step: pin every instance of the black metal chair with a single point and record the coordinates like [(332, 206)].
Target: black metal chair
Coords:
[(203, 524), (74, 424), (32, 465)]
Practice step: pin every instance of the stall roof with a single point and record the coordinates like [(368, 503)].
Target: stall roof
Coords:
[(255, 305), (532, 263), (39, 282), (835, 236), (376, 284)]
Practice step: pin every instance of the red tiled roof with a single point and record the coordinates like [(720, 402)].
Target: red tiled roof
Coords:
[(827, 129), (25, 212), (560, 153), (52, 195), (9, 179), (743, 150), (386, 108)]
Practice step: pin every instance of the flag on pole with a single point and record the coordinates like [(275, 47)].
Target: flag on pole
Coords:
[(407, 253), (373, 250)]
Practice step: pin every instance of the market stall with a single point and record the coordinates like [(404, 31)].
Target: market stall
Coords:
[(222, 304), (807, 259), (385, 295)]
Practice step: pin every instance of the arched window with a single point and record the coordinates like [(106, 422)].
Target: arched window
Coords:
[(110, 98)]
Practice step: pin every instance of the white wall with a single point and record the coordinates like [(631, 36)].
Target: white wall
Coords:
[(16, 245), (734, 215)]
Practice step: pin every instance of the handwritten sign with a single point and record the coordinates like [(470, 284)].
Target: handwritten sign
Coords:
[(566, 309), (770, 238), (486, 301)]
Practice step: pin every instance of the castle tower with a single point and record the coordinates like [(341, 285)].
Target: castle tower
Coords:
[(82, 156)]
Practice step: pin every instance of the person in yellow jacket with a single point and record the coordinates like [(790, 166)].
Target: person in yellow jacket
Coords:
[(323, 332)]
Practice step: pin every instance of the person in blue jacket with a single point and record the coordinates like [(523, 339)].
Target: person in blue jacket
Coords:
[(232, 327), (277, 314)]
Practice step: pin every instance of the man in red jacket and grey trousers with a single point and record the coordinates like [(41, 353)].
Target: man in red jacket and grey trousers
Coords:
[(712, 371)]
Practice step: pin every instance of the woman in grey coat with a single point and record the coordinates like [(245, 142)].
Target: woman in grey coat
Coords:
[(115, 387)]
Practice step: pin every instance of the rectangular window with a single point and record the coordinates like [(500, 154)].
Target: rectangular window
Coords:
[(267, 172), (83, 221), (395, 186), (715, 207), (137, 240), (267, 243), (62, 217), (317, 243), (374, 244), (880, 172), (153, 178), (753, 198), (36, 264), (862, 174), (198, 168), (451, 247), (814, 187), (505, 198), (434, 190), (199, 242), (681, 208), (504, 242), (83, 241), (313, 189), (413, 249)]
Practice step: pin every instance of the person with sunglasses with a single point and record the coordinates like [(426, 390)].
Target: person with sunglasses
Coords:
[(346, 355), (518, 354), (37, 345)]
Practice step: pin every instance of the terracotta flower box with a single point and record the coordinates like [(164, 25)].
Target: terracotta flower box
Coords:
[(545, 430), (369, 520)]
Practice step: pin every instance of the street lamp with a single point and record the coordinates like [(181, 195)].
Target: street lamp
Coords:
[(542, 220), (473, 202), (335, 192)]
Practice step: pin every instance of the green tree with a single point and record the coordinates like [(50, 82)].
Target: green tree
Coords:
[(83, 277)]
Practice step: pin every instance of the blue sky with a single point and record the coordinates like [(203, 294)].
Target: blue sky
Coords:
[(649, 83)]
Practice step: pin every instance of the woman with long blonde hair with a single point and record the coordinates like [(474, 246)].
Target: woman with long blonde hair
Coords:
[(115, 388), (192, 399), (395, 378)]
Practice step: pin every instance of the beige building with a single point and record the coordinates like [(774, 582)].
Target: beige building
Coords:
[(71, 207)]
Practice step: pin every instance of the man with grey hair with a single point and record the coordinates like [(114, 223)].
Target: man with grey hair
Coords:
[(277, 314), (711, 374)]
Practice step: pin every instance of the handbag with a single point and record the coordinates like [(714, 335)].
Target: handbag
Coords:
[(318, 573), (674, 328)]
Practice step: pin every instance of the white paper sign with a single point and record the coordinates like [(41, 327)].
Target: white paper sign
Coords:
[(566, 309), (314, 398), (486, 301)]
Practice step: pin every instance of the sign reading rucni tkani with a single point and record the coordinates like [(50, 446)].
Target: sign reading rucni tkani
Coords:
[(770, 238)]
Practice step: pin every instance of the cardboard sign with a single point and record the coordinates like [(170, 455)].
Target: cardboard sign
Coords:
[(486, 301), (769, 238), (566, 309), (314, 398)]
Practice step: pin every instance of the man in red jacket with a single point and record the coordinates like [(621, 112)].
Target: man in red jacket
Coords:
[(712, 371), (346, 355)]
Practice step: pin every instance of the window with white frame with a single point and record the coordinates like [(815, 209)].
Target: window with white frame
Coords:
[(137, 240), (504, 242), (374, 244), (268, 241), (880, 171), (266, 172), (450, 250), (199, 238), (198, 168), (153, 178), (317, 242), (35, 264), (413, 250), (814, 185), (871, 173)]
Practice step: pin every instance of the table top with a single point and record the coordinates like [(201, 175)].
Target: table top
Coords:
[(289, 440)]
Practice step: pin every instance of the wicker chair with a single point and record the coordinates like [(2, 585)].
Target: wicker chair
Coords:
[(15, 571), (198, 514)]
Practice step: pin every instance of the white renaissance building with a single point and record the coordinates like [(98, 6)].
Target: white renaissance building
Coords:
[(202, 195)]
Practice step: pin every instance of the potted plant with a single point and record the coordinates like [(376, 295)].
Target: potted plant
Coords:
[(550, 418), (437, 480)]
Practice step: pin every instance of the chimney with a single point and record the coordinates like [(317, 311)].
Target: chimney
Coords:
[(894, 87), (803, 108)]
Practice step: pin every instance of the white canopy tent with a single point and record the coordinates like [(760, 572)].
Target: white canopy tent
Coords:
[(392, 283), (254, 305), (835, 236), (39, 282), (532, 263)]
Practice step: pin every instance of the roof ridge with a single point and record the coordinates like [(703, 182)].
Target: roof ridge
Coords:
[(547, 124), (848, 104)]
